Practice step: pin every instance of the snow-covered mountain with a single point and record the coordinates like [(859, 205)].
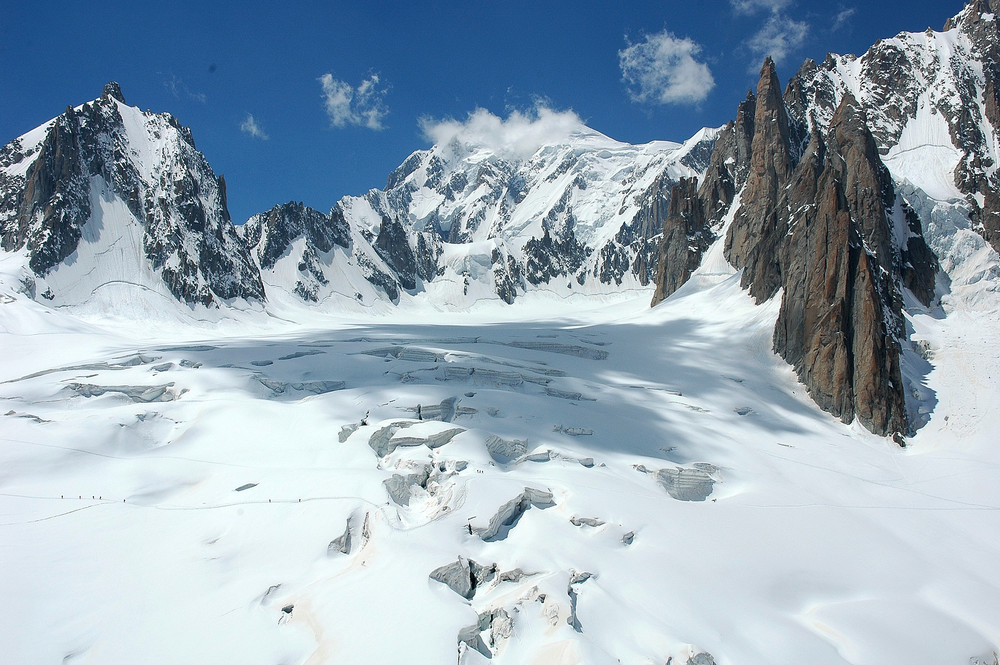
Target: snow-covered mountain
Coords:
[(565, 480), (487, 216), (113, 209), (931, 103), (107, 205), (845, 195)]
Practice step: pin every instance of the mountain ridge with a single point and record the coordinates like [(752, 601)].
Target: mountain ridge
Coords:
[(845, 171), (875, 150)]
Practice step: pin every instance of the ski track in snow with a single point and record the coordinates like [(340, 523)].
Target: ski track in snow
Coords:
[(209, 537)]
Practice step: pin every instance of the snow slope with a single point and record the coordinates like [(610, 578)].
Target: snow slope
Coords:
[(576, 478), (650, 484)]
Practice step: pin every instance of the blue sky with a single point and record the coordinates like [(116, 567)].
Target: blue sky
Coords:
[(310, 101)]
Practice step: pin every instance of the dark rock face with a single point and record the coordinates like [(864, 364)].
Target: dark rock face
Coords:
[(987, 220), (378, 277), (817, 221), (54, 204), (839, 322), (428, 255), (635, 246), (271, 234), (548, 257), (408, 262), (896, 73), (394, 259), (220, 265), (837, 260), (114, 91), (643, 238), (752, 240), (507, 277), (188, 236), (737, 144), (695, 213), (284, 224), (978, 22), (393, 247), (685, 238)]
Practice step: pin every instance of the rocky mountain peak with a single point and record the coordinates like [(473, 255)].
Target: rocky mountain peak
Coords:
[(94, 176), (568, 208), (864, 178), (819, 221), (113, 91), (974, 15), (695, 212), (748, 244), (685, 238), (840, 315), (980, 22), (843, 177)]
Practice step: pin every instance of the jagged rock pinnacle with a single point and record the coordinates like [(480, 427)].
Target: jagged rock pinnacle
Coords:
[(113, 91)]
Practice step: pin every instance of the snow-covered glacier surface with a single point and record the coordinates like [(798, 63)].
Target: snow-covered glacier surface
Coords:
[(556, 482)]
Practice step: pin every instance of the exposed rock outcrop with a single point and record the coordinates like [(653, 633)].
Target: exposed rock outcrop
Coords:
[(950, 77), (172, 193), (271, 234), (821, 222), (840, 316), (695, 212), (752, 241), (394, 248), (824, 233), (685, 238), (976, 173), (582, 211)]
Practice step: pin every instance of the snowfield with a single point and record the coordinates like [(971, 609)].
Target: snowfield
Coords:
[(561, 481), (574, 478)]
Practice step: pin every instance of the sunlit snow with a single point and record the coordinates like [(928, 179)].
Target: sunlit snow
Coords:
[(174, 492)]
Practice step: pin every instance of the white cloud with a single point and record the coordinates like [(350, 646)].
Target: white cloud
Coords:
[(751, 6), (779, 37), (362, 106), (663, 70), (843, 16), (253, 128), (518, 136), (178, 87)]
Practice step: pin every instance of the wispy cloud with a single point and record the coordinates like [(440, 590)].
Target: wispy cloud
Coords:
[(780, 34), (178, 88), (752, 6), (361, 106), (843, 16), (517, 136), (779, 37), (253, 128), (664, 69)]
